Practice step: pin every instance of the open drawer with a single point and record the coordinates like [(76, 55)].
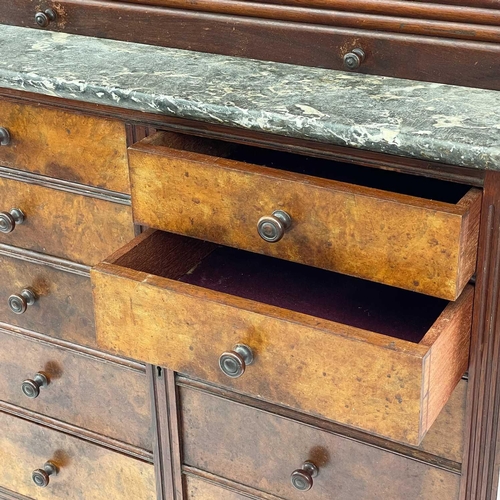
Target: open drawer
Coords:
[(367, 355), (405, 231)]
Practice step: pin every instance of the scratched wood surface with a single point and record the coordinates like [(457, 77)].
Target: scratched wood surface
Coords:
[(300, 359), (65, 145), (87, 471), (64, 224), (260, 449), (89, 392), (403, 241)]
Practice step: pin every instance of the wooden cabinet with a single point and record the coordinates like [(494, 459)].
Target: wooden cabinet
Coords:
[(451, 42), (213, 313), (75, 422)]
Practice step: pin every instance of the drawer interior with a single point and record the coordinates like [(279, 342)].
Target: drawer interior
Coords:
[(351, 301), (350, 173)]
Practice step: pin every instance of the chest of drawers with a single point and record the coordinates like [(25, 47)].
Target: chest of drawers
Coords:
[(331, 360)]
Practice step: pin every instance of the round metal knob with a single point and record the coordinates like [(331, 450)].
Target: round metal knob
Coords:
[(4, 137), (31, 388), (353, 60), (9, 220), (272, 228), (302, 479), (233, 363), (43, 19), (18, 303), (41, 477)]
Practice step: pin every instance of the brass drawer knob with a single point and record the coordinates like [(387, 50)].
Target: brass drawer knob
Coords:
[(4, 137), (18, 303), (41, 477), (233, 363), (271, 228), (43, 19), (9, 220), (353, 59), (31, 388), (302, 479)]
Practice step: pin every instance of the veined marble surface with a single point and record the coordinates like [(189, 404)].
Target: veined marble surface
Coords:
[(444, 123)]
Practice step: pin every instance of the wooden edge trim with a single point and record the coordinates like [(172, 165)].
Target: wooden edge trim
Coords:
[(469, 238), (78, 432), (70, 346), (45, 260), (65, 186), (167, 447)]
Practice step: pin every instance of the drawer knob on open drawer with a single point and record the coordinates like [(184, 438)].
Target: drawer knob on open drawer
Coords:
[(43, 19), (41, 477), (4, 137), (272, 228), (9, 220), (353, 60), (302, 479), (31, 388), (233, 363), (18, 303)]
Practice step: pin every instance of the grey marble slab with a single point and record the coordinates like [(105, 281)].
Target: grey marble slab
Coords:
[(443, 123)]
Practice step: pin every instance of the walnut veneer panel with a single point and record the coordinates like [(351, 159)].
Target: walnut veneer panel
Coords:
[(107, 398), (87, 471), (260, 449), (64, 306), (72, 226), (68, 146), (400, 240), (300, 360)]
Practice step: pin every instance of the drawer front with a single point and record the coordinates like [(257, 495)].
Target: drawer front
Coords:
[(64, 224), (428, 58), (299, 360), (63, 308), (85, 470), (67, 146), (261, 450), (399, 240), (98, 395)]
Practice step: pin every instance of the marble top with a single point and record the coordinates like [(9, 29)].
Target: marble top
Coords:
[(429, 121)]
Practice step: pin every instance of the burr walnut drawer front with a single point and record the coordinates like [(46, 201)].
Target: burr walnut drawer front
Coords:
[(92, 393), (283, 457), (65, 224), (73, 468), (61, 293), (202, 189), (64, 145), (364, 354)]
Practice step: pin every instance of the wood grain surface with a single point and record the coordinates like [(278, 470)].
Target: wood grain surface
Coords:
[(86, 471), (400, 240), (64, 224), (69, 146), (300, 359), (64, 307), (92, 393), (261, 450)]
